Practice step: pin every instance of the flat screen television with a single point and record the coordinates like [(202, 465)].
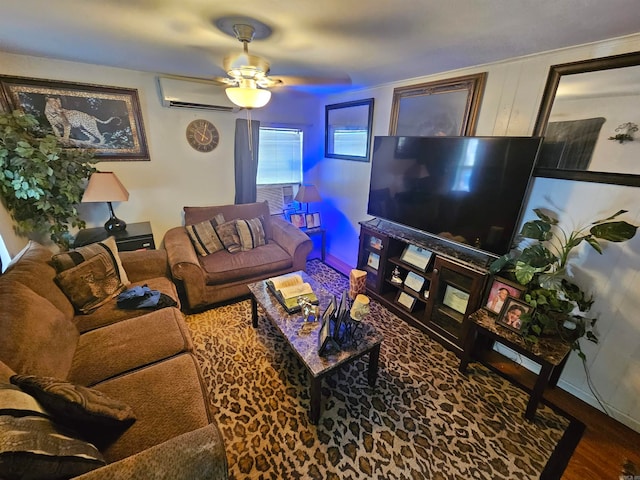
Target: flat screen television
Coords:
[(468, 190)]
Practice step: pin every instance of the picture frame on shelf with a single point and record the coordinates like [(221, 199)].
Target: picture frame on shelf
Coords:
[(313, 220), (511, 313), (342, 311), (498, 292), (456, 299), (375, 242), (324, 336), (111, 117), (298, 219), (414, 281), (405, 301), (417, 257), (373, 261)]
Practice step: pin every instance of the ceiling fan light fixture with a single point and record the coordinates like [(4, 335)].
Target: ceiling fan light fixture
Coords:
[(248, 97)]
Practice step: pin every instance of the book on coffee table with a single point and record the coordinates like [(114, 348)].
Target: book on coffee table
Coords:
[(289, 288)]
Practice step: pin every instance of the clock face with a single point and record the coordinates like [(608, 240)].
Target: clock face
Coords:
[(202, 135)]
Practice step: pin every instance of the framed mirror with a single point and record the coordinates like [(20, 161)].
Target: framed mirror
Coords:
[(589, 116), (347, 133), (441, 108)]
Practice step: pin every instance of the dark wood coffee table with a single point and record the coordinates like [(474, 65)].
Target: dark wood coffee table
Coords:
[(303, 339)]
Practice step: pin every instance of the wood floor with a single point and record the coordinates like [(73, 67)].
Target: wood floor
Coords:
[(607, 449)]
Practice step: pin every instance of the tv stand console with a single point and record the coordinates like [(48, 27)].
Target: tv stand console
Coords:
[(429, 282)]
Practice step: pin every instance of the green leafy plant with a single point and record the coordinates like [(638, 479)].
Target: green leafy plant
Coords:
[(41, 182), (559, 303)]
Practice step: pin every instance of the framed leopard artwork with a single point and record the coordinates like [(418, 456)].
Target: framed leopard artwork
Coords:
[(106, 119)]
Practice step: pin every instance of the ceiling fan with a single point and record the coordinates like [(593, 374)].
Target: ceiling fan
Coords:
[(248, 80)]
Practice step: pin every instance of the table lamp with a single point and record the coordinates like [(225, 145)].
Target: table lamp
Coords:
[(307, 194), (105, 187)]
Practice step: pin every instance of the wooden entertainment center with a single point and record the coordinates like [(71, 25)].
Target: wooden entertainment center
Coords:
[(442, 282)]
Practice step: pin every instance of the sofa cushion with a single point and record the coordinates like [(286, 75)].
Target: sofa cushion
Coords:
[(33, 447), (75, 406), (91, 283), (224, 267), (35, 337), (32, 267), (168, 398), (231, 212), (109, 313), (204, 236), (126, 345), (251, 233), (108, 247), (228, 233)]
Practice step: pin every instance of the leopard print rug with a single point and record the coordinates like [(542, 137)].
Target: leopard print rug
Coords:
[(423, 419)]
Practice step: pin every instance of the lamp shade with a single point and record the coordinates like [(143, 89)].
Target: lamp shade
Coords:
[(308, 194), (247, 97), (105, 187)]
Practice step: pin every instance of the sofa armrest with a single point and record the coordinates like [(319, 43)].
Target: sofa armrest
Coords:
[(193, 455), (141, 265), (293, 240), (184, 264)]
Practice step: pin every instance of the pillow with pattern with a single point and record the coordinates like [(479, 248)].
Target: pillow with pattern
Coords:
[(228, 233), (75, 405), (33, 446), (204, 236), (251, 233)]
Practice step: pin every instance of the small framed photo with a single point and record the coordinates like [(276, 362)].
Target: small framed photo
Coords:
[(324, 336), (499, 291), (298, 220), (312, 220), (374, 260), (375, 242), (417, 256), (414, 281), (456, 299), (406, 301), (512, 312), (343, 310)]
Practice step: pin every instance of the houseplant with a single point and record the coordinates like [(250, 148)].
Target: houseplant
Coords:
[(40, 181), (543, 267)]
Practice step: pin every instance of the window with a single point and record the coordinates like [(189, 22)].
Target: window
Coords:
[(280, 156), (279, 166)]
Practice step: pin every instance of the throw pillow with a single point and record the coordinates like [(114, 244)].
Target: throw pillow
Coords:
[(75, 405), (72, 258), (91, 284), (251, 233), (34, 447), (204, 237), (228, 233)]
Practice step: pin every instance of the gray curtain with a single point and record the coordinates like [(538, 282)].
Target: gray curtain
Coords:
[(246, 160)]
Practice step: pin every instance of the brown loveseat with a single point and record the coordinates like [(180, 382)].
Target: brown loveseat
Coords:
[(141, 358), (222, 275)]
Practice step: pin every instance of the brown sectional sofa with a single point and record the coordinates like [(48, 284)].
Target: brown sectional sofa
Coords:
[(139, 357), (222, 276)]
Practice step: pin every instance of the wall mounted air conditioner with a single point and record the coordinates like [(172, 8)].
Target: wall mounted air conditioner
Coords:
[(178, 92)]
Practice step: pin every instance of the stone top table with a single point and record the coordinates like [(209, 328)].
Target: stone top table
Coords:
[(302, 337)]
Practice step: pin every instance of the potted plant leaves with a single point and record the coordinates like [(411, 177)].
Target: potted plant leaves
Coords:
[(542, 267)]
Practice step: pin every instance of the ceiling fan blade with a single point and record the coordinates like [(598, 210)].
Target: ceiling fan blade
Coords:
[(216, 81), (294, 80)]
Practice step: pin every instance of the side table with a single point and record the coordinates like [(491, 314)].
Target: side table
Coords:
[(137, 236), (318, 231), (550, 353)]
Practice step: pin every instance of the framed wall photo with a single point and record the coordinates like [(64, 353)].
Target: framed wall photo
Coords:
[(498, 292), (406, 301), (298, 219), (442, 108), (512, 313), (106, 119), (313, 220), (348, 130)]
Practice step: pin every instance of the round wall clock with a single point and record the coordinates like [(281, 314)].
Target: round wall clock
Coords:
[(202, 135)]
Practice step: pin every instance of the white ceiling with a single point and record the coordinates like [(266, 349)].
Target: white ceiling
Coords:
[(372, 41)]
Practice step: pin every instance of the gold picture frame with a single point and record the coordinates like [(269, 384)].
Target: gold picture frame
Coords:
[(441, 108), (105, 119)]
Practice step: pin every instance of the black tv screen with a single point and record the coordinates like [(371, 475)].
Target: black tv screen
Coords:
[(466, 189)]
